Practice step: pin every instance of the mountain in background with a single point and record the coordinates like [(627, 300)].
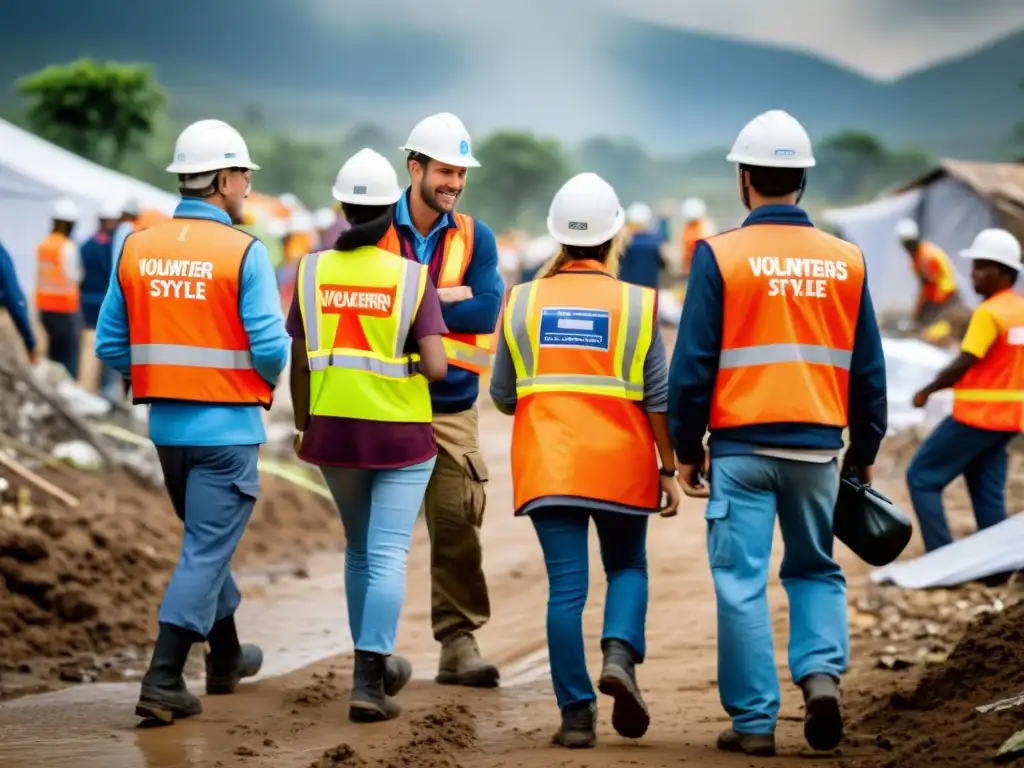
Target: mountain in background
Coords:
[(675, 91)]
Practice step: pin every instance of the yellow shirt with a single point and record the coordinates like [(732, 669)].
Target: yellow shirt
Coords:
[(982, 333)]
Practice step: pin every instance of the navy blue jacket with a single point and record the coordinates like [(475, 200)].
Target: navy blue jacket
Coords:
[(13, 299)]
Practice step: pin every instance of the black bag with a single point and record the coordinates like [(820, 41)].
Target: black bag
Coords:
[(874, 528)]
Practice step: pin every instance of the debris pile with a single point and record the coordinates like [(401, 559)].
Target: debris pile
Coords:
[(961, 711)]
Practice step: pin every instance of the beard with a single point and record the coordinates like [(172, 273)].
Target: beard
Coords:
[(434, 198)]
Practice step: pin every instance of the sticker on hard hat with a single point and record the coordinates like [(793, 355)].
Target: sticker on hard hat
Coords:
[(785, 152), (464, 147), (575, 328), (359, 190), (579, 226), (181, 156), (229, 155)]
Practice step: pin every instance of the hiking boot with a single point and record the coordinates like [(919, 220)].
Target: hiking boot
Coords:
[(228, 661), (164, 696), (369, 703), (461, 663), (823, 720), (618, 680), (578, 724), (754, 744), (397, 672)]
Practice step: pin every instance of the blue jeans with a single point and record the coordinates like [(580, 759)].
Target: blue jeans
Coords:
[(563, 533), (746, 493), (955, 449), (213, 490), (378, 509)]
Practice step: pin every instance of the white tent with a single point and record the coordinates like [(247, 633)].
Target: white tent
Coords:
[(34, 173), (951, 205)]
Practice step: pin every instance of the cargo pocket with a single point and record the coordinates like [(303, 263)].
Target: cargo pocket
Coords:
[(719, 535), (474, 494)]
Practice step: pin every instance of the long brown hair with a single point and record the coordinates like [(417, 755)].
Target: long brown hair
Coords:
[(608, 253)]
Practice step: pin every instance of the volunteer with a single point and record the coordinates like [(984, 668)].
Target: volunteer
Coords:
[(582, 366), (192, 317), (778, 351), (935, 275), (988, 397), (695, 228), (12, 298), (642, 261), (366, 328), (57, 294), (461, 256), (97, 264), (129, 217)]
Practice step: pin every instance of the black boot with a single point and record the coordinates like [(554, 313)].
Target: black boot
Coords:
[(164, 695), (228, 661), (369, 703), (578, 725), (823, 721), (397, 672), (618, 680)]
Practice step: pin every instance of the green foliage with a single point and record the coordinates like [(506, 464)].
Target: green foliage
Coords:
[(102, 111)]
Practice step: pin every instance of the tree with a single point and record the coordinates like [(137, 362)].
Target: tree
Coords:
[(518, 176), (102, 111)]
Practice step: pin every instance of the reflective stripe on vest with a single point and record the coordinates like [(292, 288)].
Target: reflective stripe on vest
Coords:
[(470, 351), (181, 280), (791, 300), (55, 290), (362, 371), (991, 394), (635, 330)]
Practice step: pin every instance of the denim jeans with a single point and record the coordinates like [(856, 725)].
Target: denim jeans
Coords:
[(563, 534), (213, 490), (746, 494), (378, 509), (951, 450)]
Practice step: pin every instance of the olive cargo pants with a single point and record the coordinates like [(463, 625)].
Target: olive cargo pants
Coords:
[(454, 510)]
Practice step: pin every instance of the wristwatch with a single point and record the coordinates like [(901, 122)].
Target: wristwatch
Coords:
[(669, 472)]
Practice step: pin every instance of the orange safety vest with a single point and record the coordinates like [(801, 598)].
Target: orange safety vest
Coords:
[(791, 300), (693, 231), (181, 281), (991, 394), (472, 351), (55, 290), (933, 268), (578, 341)]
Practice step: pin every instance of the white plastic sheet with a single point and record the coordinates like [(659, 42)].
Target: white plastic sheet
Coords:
[(909, 365)]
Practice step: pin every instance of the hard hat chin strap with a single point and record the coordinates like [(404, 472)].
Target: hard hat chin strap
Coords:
[(801, 188)]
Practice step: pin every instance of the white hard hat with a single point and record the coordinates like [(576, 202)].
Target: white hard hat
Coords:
[(693, 208), (639, 213), (367, 178), (773, 139), (275, 227), (207, 146), (444, 138), (907, 229), (130, 207), (325, 218), (64, 209), (996, 245), (300, 221), (290, 201), (110, 211), (585, 211)]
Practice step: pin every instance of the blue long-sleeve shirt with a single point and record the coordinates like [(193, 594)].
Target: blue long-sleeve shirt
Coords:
[(183, 423), (13, 299), (97, 261), (695, 367), (641, 263), (460, 388)]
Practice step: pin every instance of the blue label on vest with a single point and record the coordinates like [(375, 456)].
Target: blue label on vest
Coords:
[(575, 328)]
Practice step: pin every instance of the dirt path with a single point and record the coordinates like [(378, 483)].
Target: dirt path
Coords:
[(290, 721)]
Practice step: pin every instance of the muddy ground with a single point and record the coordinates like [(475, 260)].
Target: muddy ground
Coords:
[(299, 719)]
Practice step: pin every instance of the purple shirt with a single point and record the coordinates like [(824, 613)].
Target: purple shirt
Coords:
[(344, 442)]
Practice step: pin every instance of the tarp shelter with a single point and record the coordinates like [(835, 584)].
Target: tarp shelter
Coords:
[(34, 173), (951, 204)]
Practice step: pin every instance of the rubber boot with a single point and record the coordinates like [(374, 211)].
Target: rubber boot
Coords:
[(461, 663), (754, 744), (369, 703), (229, 661), (578, 726), (164, 696), (823, 721), (397, 672), (618, 680)]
